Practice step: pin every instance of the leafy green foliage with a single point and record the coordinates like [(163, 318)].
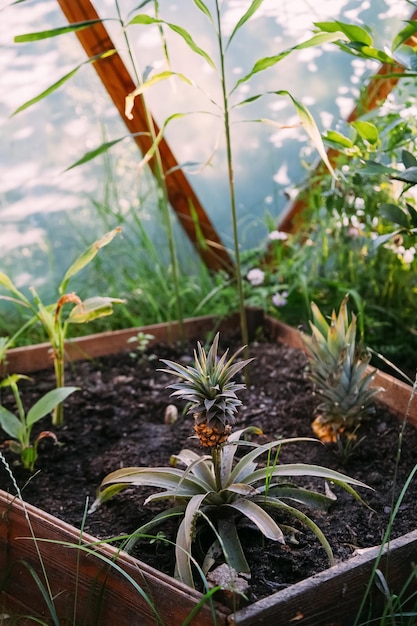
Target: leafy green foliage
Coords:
[(213, 494), (223, 489), (51, 316), (19, 426)]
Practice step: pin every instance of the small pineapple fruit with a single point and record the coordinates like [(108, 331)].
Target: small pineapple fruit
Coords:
[(338, 369), (211, 391)]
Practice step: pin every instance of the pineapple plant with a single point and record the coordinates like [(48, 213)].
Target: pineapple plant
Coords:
[(210, 390), (338, 368)]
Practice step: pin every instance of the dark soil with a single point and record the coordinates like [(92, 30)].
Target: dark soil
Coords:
[(117, 420)]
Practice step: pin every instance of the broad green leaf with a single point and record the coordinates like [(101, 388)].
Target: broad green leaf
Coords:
[(408, 176), (146, 19), (413, 214), (352, 31), (254, 6), (47, 403), (231, 545), (367, 131), (394, 214), (358, 49), (87, 256), (10, 423), (373, 168), (408, 159), (54, 32), (61, 81), (406, 33), (93, 308), (156, 78), (337, 138)]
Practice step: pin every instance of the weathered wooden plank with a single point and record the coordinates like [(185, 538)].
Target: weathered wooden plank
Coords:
[(333, 597), (77, 579)]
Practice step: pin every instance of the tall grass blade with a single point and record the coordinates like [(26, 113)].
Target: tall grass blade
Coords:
[(61, 81), (54, 32)]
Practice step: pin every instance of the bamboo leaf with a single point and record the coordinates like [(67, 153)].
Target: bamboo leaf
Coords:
[(251, 10), (92, 154), (203, 8), (130, 98), (87, 256), (61, 81), (147, 19), (267, 62), (54, 32), (406, 33)]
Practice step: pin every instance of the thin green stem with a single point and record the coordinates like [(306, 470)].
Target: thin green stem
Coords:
[(162, 193), (232, 195)]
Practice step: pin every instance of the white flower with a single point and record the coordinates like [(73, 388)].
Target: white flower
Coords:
[(255, 277), (408, 255), (280, 299), (278, 235)]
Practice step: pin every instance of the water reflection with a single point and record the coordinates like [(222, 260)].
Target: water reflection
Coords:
[(47, 213)]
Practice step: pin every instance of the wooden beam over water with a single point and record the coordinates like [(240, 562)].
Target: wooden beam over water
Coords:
[(118, 83)]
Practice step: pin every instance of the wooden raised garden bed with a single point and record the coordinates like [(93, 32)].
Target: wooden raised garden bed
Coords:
[(87, 589)]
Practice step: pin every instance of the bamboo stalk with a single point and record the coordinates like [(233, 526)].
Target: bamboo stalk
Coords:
[(118, 83)]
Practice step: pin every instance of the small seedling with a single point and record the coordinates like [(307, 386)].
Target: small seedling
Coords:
[(19, 426)]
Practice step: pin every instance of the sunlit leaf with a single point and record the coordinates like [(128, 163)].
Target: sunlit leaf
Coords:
[(92, 154), (62, 81), (54, 32), (156, 78), (203, 8), (87, 256), (352, 31), (92, 309), (337, 138), (267, 62), (367, 131), (406, 33), (147, 19), (249, 13)]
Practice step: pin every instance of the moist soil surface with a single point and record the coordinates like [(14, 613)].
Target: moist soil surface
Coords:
[(117, 419)]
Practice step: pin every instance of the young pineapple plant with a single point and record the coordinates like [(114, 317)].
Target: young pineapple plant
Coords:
[(215, 495), (211, 392), (338, 369)]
